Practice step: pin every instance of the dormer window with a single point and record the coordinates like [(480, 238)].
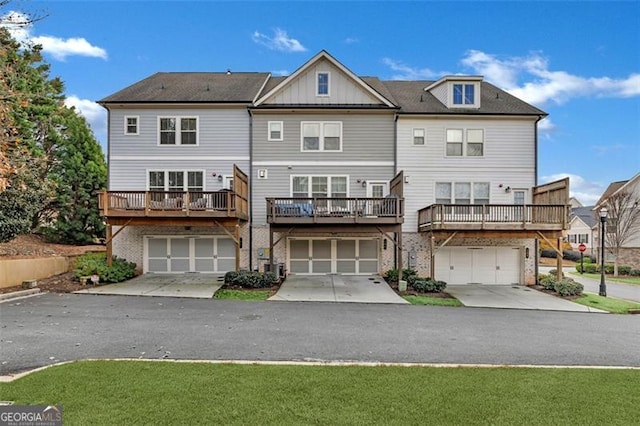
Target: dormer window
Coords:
[(464, 94), (322, 84)]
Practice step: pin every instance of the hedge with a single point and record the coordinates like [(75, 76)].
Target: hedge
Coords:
[(249, 279), (91, 263)]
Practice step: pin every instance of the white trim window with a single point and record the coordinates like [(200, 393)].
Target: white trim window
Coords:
[(176, 180), (418, 136), (464, 94), (320, 186), (322, 83), (462, 192), (465, 143), (177, 130), (131, 125), (321, 136), (275, 129)]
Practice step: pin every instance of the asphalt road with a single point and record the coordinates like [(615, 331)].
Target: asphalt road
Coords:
[(56, 327)]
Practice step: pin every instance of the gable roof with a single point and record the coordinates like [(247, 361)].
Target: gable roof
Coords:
[(586, 214), (413, 99), (613, 188), (323, 54), (193, 87)]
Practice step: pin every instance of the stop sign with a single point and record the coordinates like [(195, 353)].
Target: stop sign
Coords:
[(582, 248)]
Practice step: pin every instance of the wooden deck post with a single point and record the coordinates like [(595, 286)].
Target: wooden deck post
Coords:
[(109, 246), (432, 258), (270, 248), (399, 249), (559, 259), (237, 234)]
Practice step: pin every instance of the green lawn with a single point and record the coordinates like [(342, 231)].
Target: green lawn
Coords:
[(626, 280), (432, 301), (609, 304), (134, 393), (232, 294)]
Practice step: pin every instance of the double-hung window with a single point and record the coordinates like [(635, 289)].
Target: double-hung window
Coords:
[(322, 84), (176, 180), (465, 142), (418, 136), (321, 187), (275, 131), (321, 136), (131, 125), (462, 193), (178, 130)]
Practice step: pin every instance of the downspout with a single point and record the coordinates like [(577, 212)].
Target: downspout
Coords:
[(250, 188), (535, 172)]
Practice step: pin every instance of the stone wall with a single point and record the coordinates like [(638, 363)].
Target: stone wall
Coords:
[(629, 257)]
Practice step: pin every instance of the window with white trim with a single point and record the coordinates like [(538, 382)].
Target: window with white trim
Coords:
[(275, 131), (131, 125), (322, 84), (319, 186), (321, 136), (462, 192), (177, 130), (465, 142), (176, 180), (418, 136), (464, 94)]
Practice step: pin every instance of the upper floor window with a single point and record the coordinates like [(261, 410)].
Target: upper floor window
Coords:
[(178, 130), (176, 180), (321, 136), (464, 94), (322, 86), (319, 186), (418, 136), (275, 131), (462, 192), (469, 143), (131, 125)]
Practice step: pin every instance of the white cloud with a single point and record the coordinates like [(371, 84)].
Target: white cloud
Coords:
[(546, 125), (588, 193), (281, 73), (95, 115), (405, 72), (531, 79), (351, 40), (19, 27), (280, 41)]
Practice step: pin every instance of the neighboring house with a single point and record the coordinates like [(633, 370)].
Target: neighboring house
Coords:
[(582, 228), (343, 175), (622, 201), (574, 202)]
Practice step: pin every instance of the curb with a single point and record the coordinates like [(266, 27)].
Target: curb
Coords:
[(19, 293)]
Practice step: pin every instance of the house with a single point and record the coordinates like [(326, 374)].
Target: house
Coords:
[(622, 201), (582, 228), (327, 172)]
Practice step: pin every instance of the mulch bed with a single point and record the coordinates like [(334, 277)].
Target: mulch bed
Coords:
[(63, 283)]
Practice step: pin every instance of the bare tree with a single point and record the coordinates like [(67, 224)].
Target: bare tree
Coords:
[(623, 222), (21, 19)]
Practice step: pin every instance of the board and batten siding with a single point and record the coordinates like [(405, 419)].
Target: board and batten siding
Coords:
[(278, 181), (223, 139), (509, 160), (342, 89)]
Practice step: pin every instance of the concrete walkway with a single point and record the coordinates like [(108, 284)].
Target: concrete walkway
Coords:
[(337, 288), (199, 286), (614, 289), (512, 297)]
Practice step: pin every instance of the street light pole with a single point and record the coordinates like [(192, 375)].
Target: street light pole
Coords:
[(603, 225)]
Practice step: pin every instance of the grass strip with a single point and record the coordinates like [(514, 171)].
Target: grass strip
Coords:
[(609, 304), (234, 294), (625, 280), (133, 393), (431, 301)]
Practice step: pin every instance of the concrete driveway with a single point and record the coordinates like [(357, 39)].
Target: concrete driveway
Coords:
[(512, 297), (337, 288), (200, 286)]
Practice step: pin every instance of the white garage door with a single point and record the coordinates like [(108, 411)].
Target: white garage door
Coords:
[(333, 256), (478, 265), (189, 254)]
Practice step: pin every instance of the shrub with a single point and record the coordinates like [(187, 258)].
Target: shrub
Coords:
[(407, 274), (588, 259), (624, 270), (249, 279), (568, 287), (90, 263), (571, 255), (553, 272), (635, 272), (591, 268), (428, 285), (547, 282)]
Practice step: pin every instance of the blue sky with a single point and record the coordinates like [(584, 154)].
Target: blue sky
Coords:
[(579, 61)]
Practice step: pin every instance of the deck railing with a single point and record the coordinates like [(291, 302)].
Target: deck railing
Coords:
[(335, 210), (493, 216), (172, 203)]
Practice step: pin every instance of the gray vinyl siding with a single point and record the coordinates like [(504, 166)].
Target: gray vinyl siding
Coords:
[(365, 137), (278, 182), (441, 93), (222, 133), (342, 89), (509, 160)]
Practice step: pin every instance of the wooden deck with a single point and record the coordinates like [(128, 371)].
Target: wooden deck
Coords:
[(494, 217), (335, 211)]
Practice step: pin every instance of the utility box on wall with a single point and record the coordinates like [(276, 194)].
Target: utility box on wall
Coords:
[(412, 259)]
